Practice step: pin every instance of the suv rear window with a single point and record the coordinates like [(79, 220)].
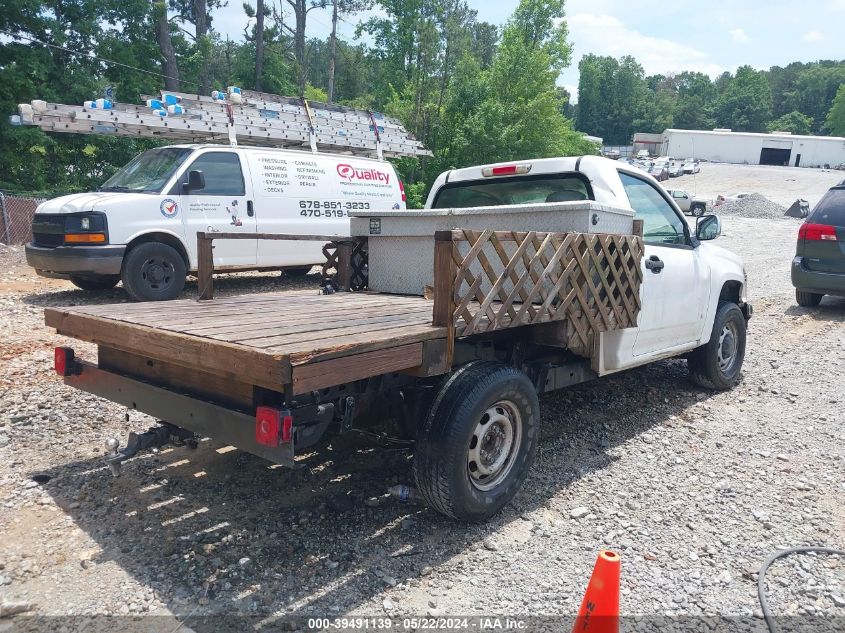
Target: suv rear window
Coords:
[(513, 190), (830, 209)]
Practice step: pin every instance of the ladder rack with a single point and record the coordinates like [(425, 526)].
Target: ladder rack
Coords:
[(254, 118)]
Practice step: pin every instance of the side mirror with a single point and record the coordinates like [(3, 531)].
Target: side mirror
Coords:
[(196, 181), (708, 227)]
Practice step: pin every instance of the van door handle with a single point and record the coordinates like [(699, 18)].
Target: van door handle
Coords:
[(250, 211), (654, 264)]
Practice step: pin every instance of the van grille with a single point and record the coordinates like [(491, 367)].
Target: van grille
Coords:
[(48, 230)]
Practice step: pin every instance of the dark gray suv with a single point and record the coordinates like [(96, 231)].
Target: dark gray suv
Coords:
[(818, 268)]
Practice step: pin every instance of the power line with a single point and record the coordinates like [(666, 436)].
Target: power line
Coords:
[(96, 57)]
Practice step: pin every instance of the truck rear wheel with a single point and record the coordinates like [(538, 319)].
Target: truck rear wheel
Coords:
[(91, 284), (697, 210), (153, 271), (717, 363), (478, 441)]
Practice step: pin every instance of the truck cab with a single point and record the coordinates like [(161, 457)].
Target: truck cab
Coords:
[(686, 278), (141, 225)]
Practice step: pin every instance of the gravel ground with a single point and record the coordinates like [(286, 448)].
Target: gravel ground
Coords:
[(753, 206), (693, 488), (779, 184)]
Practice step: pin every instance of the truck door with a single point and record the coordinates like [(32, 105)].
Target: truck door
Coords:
[(675, 286), (224, 205)]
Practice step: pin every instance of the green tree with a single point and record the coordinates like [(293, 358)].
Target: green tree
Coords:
[(793, 122), (835, 120), (746, 103)]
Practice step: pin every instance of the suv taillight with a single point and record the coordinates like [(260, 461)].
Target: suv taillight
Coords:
[(817, 232)]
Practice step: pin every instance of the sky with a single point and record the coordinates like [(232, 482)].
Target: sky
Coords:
[(710, 36)]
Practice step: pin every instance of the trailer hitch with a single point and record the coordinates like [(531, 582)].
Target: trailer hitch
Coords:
[(154, 438)]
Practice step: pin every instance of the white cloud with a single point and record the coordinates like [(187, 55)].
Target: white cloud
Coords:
[(739, 35), (607, 35), (813, 36)]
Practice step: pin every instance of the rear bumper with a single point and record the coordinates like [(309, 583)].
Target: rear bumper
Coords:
[(63, 261), (814, 281), (234, 428)]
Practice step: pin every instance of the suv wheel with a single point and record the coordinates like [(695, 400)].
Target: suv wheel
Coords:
[(478, 441), (106, 282), (807, 299), (717, 363), (153, 271)]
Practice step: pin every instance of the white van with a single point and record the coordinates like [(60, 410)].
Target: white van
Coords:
[(140, 226)]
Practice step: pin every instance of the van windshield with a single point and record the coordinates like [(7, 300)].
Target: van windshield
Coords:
[(519, 190), (147, 172)]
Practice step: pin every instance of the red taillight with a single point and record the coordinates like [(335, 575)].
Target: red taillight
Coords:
[(63, 361), (273, 426), (402, 191), (817, 232), (506, 170)]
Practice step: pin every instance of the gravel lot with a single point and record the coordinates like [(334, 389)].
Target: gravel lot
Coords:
[(693, 488), (779, 184)]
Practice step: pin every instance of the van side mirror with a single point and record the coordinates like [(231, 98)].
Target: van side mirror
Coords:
[(196, 180), (708, 227)]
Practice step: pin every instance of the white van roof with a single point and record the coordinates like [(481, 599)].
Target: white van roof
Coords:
[(283, 150)]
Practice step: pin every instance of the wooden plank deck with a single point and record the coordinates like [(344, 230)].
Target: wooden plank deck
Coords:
[(266, 339)]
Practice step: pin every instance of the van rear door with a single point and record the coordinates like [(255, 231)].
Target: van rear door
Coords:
[(224, 205)]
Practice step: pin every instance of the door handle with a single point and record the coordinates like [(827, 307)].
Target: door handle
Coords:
[(654, 264), (250, 211)]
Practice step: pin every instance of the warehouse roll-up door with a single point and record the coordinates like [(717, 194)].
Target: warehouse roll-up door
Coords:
[(776, 153)]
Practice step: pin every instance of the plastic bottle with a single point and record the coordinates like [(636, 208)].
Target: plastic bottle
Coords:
[(404, 493)]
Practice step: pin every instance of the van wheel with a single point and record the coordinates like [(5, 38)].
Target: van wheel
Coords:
[(153, 271), (717, 363), (297, 271), (106, 282), (807, 299), (478, 441)]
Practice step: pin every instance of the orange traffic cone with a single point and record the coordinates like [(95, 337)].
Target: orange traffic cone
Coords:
[(599, 612)]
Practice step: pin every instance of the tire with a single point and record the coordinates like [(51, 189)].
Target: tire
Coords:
[(92, 284), (717, 363), (153, 271), (697, 210), (807, 299), (481, 403), (297, 271)]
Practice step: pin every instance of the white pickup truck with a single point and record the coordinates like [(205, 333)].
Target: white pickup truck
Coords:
[(277, 374)]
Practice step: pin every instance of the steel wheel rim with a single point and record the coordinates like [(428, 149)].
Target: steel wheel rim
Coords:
[(157, 273), (494, 445), (728, 346)]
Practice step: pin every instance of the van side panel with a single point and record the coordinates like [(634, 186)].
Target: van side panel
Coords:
[(297, 192)]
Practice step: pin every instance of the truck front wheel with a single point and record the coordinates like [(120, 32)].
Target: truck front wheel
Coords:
[(717, 363), (478, 441), (153, 271)]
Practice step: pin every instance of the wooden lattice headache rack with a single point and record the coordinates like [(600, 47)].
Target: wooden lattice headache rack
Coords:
[(590, 281)]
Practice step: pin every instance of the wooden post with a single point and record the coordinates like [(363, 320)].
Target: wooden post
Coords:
[(638, 228), (205, 266), (443, 312), (344, 265)]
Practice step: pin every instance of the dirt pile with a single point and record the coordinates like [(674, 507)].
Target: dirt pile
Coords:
[(752, 206)]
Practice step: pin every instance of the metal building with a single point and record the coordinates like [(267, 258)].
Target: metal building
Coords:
[(777, 148)]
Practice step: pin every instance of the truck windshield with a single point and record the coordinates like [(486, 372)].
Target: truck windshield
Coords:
[(520, 190), (147, 172)]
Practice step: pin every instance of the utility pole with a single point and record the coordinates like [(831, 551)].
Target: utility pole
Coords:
[(332, 51)]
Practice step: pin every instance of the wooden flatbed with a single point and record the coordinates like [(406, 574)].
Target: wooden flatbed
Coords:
[(270, 340)]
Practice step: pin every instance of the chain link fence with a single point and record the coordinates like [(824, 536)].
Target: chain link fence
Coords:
[(16, 214)]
